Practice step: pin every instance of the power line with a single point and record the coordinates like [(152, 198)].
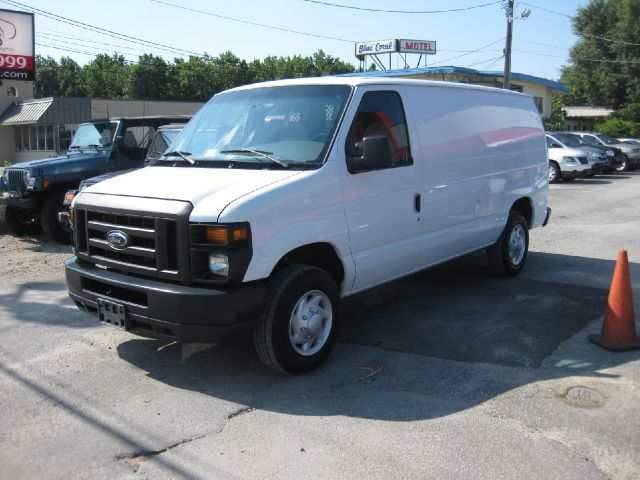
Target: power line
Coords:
[(93, 28), (582, 34), (48, 38), (469, 53), (271, 27), (57, 34), (555, 47), (546, 10), (377, 10)]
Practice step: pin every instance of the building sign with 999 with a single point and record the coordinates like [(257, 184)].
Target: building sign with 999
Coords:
[(16, 46)]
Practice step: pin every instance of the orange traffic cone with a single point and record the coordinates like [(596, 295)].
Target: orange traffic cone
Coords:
[(619, 326)]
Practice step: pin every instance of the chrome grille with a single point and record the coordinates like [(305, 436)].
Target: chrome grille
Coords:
[(141, 250), (149, 236)]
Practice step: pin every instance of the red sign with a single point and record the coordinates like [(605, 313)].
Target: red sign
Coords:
[(17, 62)]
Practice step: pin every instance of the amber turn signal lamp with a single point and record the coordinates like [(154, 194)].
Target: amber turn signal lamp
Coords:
[(217, 235), (69, 197), (240, 234)]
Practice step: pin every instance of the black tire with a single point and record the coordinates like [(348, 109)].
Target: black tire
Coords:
[(506, 260), (49, 219), (272, 336), (20, 221), (555, 175), (625, 164)]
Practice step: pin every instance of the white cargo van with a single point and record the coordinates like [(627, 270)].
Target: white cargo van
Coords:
[(277, 199)]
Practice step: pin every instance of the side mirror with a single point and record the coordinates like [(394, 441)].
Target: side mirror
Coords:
[(376, 154), (119, 141)]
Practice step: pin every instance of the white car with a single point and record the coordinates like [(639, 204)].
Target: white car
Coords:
[(566, 163)]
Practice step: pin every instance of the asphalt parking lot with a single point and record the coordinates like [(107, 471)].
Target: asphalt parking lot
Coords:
[(451, 373)]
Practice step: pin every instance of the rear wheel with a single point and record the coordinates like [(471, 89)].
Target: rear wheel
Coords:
[(21, 221), (554, 172), (49, 219), (298, 328), (509, 254)]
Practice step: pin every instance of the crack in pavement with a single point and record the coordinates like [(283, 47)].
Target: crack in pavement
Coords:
[(136, 459)]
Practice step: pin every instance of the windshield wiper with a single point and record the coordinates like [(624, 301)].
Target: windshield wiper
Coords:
[(183, 155), (260, 153)]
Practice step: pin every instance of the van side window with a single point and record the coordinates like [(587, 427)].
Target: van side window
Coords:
[(381, 113)]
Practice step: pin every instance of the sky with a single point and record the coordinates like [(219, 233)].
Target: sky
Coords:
[(472, 37)]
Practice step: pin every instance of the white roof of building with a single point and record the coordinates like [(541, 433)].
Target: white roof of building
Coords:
[(587, 112)]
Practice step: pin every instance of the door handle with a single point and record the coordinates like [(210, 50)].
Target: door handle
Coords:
[(416, 202)]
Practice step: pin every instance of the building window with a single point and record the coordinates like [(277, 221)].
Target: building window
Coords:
[(538, 102), (30, 138)]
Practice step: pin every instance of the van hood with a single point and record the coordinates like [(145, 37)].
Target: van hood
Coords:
[(220, 186)]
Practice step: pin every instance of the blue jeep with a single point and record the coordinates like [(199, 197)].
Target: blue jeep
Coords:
[(33, 192)]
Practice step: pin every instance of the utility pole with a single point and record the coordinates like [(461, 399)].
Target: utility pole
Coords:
[(507, 48)]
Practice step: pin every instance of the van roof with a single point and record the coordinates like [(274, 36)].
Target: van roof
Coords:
[(360, 80)]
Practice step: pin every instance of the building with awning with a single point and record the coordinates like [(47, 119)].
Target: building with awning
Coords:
[(38, 128), (583, 118)]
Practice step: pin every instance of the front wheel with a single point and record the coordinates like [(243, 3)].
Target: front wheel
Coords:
[(49, 220), (21, 221), (554, 172), (624, 166), (508, 255), (298, 327)]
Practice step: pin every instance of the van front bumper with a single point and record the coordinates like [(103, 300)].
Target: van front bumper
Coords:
[(150, 308)]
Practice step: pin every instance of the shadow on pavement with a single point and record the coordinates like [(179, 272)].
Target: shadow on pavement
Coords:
[(464, 337)]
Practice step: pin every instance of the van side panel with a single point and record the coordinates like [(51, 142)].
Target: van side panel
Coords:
[(480, 152)]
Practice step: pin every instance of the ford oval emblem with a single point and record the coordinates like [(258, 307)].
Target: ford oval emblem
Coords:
[(117, 239)]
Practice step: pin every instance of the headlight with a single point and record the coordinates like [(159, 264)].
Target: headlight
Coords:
[(220, 253), (610, 153), (570, 159), (219, 264)]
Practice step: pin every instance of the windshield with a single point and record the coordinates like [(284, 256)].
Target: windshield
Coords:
[(568, 140), (161, 141), (93, 135), (607, 139), (288, 126)]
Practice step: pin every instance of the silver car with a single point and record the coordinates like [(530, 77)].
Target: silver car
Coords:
[(596, 157), (631, 152)]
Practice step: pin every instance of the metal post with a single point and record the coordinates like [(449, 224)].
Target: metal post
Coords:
[(507, 49)]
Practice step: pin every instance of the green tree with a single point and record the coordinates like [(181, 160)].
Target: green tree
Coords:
[(106, 77), (69, 78), (47, 83), (147, 79), (605, 63), (557, 118), (230, 70)]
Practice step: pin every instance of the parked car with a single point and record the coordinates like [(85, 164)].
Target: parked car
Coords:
[(33, 191), (280, 198), (615, 157), (631, 141), (161, 141), (565, 163), (596, 157), (631, 153)]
